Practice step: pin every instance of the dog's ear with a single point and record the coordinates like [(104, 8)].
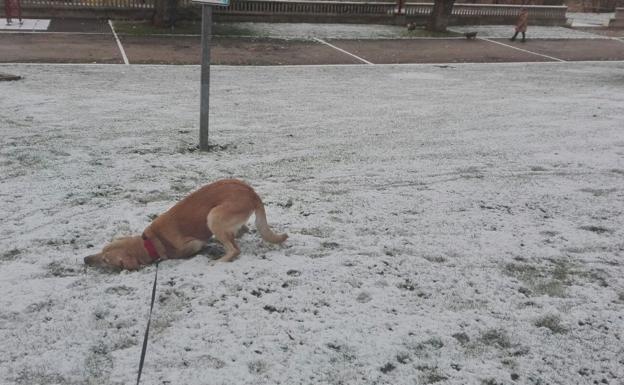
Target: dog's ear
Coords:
[(129, 263)]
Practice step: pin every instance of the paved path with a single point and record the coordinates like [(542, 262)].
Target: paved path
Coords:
[(533, 32), (28, 25), (87, 41)]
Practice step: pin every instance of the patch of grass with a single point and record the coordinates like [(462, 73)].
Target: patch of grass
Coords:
[(330, 245), (10, 255), (430, 375), (495, 337), (38, 375), (124, 343), (435, 259), (40, 306), (57, 269), (508, 362), (407, 285), (462, 338), (153, 196), (551, 322), (434, 342), (403, 358), (553, 279), (29, 160), (549, 281), (345, 353), (551, 288), (597, 192), (426, 348), (387, 368), (523, 272), (227, 29), (145, 28), (597, 229), (314, 232), (490, 381), (120, 290), (186, 27), (598, 276), (99, 362), (257, 367)]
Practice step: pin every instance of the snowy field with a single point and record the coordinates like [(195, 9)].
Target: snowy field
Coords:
[(368, 31), (456, 224)]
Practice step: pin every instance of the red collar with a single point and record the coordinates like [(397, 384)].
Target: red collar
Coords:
[(151, 249)]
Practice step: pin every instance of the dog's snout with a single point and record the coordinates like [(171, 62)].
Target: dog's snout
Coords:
[(91, 260)]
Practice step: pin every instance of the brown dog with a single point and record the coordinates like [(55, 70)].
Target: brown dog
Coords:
[(218, 209)]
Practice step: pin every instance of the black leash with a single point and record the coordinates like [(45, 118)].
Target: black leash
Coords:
[(149, 320)]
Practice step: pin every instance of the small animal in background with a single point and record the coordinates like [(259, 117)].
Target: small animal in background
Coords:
[(411, 26), (470, 35)]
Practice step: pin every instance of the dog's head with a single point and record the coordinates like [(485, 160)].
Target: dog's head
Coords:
[(122, 253)]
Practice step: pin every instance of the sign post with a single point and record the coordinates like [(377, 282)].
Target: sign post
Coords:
[(206, 37)]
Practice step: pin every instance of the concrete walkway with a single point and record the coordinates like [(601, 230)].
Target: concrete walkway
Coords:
[(533, 32), (27, 25)]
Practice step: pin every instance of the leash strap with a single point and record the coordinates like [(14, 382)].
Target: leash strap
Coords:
[(149, 320)]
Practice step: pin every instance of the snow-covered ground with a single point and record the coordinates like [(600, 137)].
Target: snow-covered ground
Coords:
[(26, 25), (308, 31), (448, 224), (372, 31)]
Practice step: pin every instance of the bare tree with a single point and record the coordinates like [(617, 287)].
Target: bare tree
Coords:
[(440, 15), (165, 13)]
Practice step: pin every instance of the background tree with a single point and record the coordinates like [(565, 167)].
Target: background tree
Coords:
[(165, 13), (440, 15)]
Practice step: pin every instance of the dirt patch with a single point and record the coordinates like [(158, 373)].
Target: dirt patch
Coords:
[(574, 49), (230, 51), (58, 48), (142, 48)]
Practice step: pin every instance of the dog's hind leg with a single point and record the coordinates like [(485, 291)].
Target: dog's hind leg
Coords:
[(231, 248), (224, 224)]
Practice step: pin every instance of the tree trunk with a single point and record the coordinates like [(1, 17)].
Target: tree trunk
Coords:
[(160, 13), (165, 13), (440, 15)]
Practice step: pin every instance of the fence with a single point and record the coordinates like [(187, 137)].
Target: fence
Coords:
[(297, 11), (86, 4)]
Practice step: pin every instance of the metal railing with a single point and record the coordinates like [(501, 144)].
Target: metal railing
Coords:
[(308, 7), (87, 4), (289, 7)]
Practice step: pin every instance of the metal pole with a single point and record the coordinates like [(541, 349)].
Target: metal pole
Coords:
[(205, 76)]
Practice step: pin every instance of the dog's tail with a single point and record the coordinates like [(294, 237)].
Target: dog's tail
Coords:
[(264, 229)]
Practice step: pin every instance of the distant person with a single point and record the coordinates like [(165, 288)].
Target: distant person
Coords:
[(521, 24), (12, 8)]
